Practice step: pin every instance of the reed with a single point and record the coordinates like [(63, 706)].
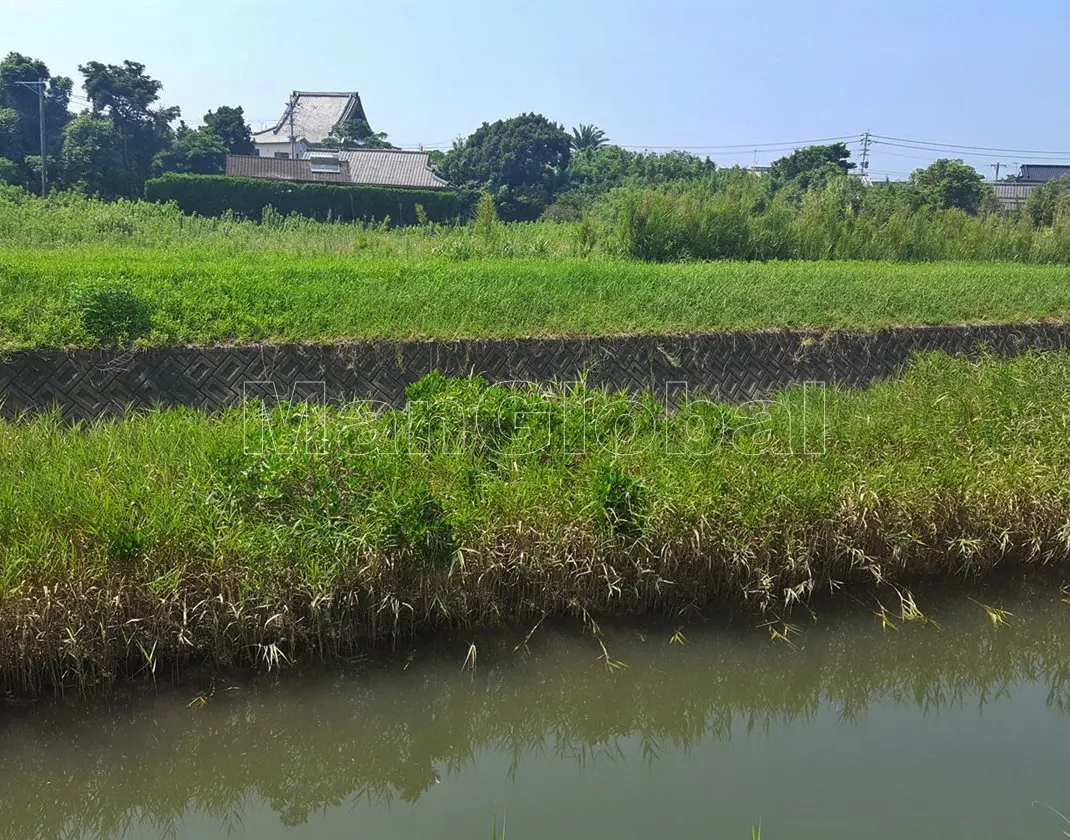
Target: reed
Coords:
[(738, 220), (137, 544)]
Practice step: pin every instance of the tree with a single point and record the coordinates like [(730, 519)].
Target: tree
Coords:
[(10, 142), (594, 173), (20, 136), (124, 95), (588, 138), (812, 166), (91, 158), (950, 184), (357, 132), (520, 161), (197, 151), (229, 126), (9, 171), (1048, 202)]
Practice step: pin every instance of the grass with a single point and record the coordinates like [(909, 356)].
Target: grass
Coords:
[(190, 295), (176, 536), (672, 223), (77, 272)]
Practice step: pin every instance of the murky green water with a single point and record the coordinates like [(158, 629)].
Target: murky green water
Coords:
[(948, 731)]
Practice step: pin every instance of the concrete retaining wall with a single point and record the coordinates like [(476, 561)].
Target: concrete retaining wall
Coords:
[(732, 366)]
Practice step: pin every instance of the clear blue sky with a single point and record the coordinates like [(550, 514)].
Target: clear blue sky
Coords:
[(678, 73)]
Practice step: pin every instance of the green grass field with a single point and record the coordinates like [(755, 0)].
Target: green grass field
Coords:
[(177, 535), (203, 295)]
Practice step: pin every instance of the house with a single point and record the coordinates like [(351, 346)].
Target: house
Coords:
[(378, 167), (1012, 195), (309, 119), (285, 169), (1042, 172)]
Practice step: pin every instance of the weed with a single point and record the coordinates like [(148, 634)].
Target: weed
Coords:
[(112, 312)]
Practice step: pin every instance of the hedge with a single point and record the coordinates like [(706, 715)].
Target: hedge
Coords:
[(214, 195)]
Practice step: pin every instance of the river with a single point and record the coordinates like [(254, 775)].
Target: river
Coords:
[(847, 726)]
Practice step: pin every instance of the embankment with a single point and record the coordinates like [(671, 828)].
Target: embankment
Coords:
[(261, 538)]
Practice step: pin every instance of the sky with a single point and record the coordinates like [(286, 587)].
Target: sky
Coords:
[(741, 82)]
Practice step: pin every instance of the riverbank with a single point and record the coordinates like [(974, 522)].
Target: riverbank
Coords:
[(194, 294), (259, 540), (407, 740)]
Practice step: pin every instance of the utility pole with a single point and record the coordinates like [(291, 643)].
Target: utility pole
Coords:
[(865, 152), (40, 86), (293, 139), (995, 166)]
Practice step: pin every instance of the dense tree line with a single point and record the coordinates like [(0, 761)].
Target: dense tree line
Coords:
[(532, 167), (529, 165), (115, 144)]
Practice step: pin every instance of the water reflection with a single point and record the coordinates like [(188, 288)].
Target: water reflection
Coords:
[(389, 732)]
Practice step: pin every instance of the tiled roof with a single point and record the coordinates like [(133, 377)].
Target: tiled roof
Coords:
[(391, 168), (282, 169), (1012, 195), (1013, 189), (1043, 171), (314, 117), (382, 167)]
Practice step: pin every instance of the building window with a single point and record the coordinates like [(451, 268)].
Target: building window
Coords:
[(282, 154), (325, 163)]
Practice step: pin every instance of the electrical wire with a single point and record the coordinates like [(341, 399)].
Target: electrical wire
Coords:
[(893, 140), (1052, 157), (779, 144)]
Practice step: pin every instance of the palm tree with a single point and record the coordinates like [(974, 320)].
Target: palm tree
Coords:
[(588, 137)]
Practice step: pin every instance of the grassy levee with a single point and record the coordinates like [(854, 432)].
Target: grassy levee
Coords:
[(55, 297), (253, 539)]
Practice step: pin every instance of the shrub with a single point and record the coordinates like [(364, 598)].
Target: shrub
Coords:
[(623, 501), (214, 195), (559, 211), (420, 526), (111, 312)]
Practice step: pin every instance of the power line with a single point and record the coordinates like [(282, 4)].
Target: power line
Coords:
[(746, 147), (1044, 156), (917, 143), (905, 157)]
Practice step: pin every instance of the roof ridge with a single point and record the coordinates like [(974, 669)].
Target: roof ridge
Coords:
[(327, 92), (297, 112), (392, 151)]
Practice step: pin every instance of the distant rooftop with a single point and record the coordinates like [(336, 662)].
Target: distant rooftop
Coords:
[(283, 169), (391, 168), (315, 116), (1043, 171), (379, 167)]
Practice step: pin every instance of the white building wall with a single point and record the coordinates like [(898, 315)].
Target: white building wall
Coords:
[(269, 148)]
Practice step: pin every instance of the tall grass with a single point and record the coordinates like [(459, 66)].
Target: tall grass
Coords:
[(827, 224), (176, 536), (63, 220), (737, 220), (91, 295)]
